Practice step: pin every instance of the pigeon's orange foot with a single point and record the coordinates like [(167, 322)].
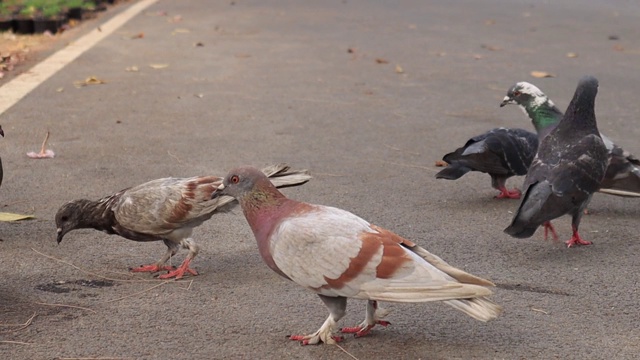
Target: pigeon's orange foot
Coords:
[(314, 339), (576, 239), (179, 272), (361, 330), (151, 268), (549, 228), (506, 194)]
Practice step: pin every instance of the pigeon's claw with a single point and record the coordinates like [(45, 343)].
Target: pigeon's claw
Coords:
[(509, 194), (549, 228), (576, 239), (179, 272), (315, 339), (151, 268), (363, 329)]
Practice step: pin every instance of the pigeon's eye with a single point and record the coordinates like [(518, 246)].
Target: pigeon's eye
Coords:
[(64, 218), (234, 179), (516, 93)]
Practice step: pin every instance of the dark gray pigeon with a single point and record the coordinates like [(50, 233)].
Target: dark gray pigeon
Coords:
[(501, 153), (622, 177), (566, 171), (164, 209)]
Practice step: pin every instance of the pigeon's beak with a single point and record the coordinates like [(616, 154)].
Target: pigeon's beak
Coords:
[(1, 132), (216, 193), (506, 101), (60, 235)]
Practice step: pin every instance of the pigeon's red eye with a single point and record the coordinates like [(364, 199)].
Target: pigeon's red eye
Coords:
[(234, 179), (516, 93)]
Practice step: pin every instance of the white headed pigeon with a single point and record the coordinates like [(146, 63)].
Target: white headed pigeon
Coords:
[(501, 153), (622, 177), (164, 209), (338, 255), (566, 171)]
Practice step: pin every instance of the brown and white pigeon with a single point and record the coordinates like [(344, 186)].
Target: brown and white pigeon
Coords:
[(566, 171), (164, 209), (338, 255)]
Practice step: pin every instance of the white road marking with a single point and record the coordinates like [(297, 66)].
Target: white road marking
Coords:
[(20, 86)]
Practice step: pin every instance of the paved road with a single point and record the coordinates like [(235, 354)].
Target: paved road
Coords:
[(274, 82)]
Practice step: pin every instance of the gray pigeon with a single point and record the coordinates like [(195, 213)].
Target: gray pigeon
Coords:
[(500, 152), (164, 209), (622, 177), (566, 171)]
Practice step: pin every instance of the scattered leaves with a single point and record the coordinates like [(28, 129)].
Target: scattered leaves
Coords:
[(381, 61), (490, 47), (44, 152), (132, 68), (158, 66), (399, 69), (440, 163), (572, 55), (14, 217), (91, 80), (542, 74)]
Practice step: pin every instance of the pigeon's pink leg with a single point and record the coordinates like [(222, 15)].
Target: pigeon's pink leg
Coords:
[(151, 268), (576, 239), (179, 272), (506, 194), (304, 339), (548, 227), (372, 319)]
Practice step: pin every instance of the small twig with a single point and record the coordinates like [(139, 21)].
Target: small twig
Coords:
[(14, 342), (346, 352), (87, 271), (137, 293), (69, 306), (174, 156), (540, 310), (398, 149), (21, 326), (44, 143)]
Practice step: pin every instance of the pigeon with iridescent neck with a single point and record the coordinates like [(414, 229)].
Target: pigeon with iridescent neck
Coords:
[(567, 170), (161, 210), (622, 177), (339, 255)]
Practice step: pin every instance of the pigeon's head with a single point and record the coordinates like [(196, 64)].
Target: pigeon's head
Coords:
[(524, 94), (68, 218), (242, 181)]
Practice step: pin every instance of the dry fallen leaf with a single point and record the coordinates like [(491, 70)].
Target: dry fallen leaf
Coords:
[(14, 217), (131, 68), (180, 31), (138, 36), (572, 55), (441, 163), (91, 80), (381, 61), (542, 74), (399, 69), (490, 47), (158, 66), (60, 89)]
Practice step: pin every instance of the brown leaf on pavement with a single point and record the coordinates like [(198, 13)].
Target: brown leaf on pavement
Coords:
[(381, 61), (91, 80), (542, 74)]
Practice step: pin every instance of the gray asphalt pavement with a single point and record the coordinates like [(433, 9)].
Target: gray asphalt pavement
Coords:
[(275, 81)]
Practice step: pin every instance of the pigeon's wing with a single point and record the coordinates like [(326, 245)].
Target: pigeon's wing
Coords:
[(622, 177), (336, 253), (499, 151), (163, 205)]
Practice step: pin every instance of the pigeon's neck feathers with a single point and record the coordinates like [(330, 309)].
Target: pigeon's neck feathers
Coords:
[(580, 116), (96, 214), (543, 112)]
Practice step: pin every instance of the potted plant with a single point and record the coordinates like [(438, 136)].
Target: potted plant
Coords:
[(23, 21), (75, 9), (50, 18), (6, 16)]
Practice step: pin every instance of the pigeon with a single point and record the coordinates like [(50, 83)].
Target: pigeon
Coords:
[(567, 170), (164, 209), (338, 255), (500, 152), (622, 177)]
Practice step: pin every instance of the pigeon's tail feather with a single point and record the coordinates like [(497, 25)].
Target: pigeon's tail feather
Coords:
[(281, 175), (480, 308), (625, 182), (521, 230), (452, 172)]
